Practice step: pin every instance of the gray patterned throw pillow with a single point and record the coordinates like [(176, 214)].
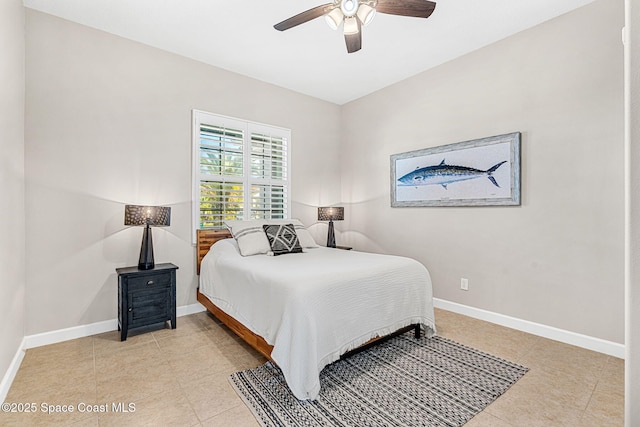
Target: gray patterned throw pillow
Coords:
[(282, 238)]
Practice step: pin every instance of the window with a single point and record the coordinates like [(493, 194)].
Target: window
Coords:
[(241, 170)]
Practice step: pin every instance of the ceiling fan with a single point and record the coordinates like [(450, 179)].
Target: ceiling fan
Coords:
[(357, 13)]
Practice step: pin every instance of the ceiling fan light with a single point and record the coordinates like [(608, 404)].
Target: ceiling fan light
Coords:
[(351, 26), (349, 7), (366, 14), (334, 18)]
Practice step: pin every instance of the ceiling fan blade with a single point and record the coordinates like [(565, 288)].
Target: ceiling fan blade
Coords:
[(415, 8), (353, 34), (303, 17)]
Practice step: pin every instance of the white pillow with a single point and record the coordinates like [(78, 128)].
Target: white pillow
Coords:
[(250, 236), (305, 238)]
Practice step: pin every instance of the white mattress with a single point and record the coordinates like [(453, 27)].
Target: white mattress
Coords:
[(313, 307)]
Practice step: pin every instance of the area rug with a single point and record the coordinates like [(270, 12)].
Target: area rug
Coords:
[(399, 382)]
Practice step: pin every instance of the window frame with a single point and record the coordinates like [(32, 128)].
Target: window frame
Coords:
[(248, 128)]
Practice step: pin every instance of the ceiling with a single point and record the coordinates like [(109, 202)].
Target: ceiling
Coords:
[(311, 58)]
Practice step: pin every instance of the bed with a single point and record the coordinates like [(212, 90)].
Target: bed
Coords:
[(305, 310)]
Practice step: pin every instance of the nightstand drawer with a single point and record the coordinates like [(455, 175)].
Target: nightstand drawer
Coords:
[(150, 281)]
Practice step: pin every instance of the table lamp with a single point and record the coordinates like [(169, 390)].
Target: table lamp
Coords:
[(331, 214), (147, 216)]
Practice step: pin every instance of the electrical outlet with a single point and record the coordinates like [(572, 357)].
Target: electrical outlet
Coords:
[(464, 284)]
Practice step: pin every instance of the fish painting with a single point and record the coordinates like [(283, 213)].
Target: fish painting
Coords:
[(444, 175)]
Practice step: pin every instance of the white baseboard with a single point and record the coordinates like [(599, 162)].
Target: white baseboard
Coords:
[(591, 343), (52, 337), (10, 375), (186, 310), (81, 331)]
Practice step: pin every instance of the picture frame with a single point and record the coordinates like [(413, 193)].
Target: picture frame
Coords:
[(480, 172)]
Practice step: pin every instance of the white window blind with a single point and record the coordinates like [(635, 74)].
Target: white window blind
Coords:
[(241, 170)]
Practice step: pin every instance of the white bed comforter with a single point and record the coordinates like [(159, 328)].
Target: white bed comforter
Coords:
[(313, 307)]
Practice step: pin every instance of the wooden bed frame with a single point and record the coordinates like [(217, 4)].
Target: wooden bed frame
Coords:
[(206, 239)]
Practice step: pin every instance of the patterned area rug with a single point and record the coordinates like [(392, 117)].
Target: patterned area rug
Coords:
[(399, 382)]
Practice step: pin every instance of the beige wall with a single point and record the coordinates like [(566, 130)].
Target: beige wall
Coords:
[(558, 259), (108, 122), (632, 92), (12, 246)]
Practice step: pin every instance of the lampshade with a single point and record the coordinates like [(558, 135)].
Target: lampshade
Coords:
[(365, 14), (331, 214), (351, 26), (141, 215), (334, 18)]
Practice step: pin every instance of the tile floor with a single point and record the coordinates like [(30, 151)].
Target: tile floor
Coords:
[(179, 377)]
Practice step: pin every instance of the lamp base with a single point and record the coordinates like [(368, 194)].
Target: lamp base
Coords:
[(146, 261), (331, 237)]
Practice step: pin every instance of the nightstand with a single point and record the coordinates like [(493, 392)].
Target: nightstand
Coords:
[(146, 297)]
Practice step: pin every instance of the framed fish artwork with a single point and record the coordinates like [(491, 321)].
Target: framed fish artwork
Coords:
[(481, 172)]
